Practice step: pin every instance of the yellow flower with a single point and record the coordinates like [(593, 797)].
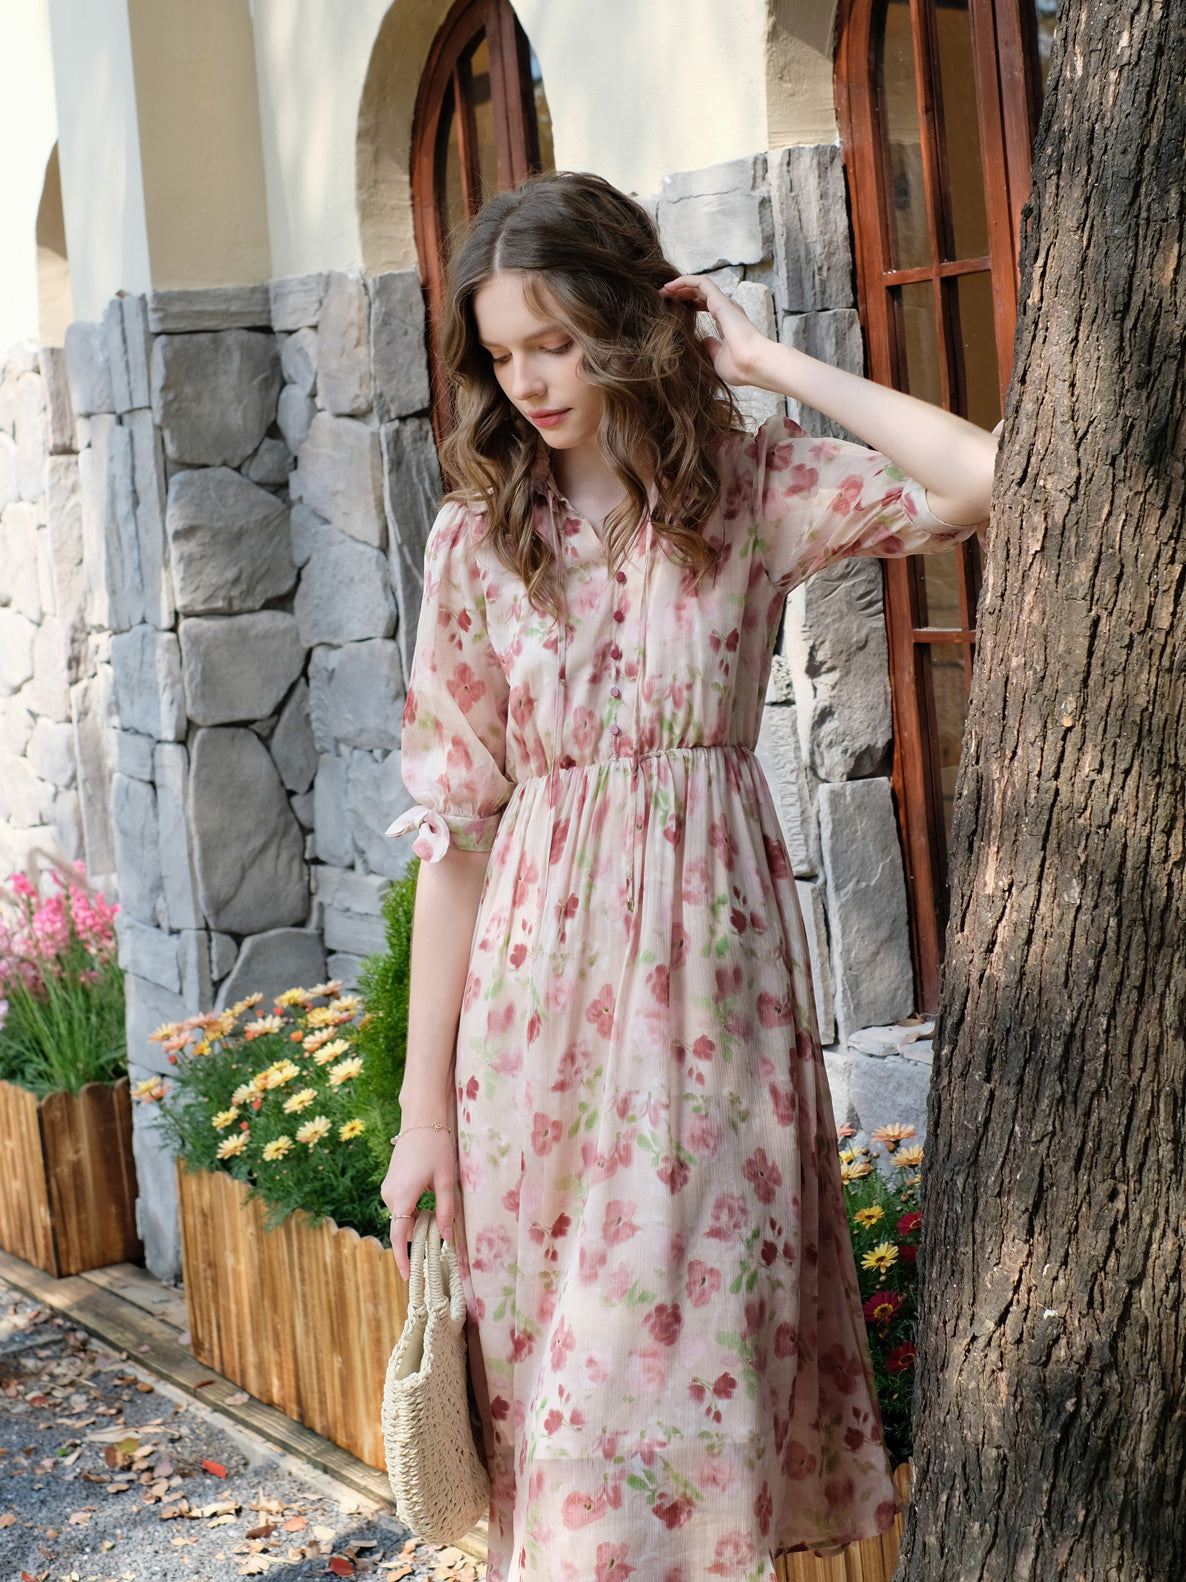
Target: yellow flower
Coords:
[(225, 1119), (232, 1146), (346, 1005), (223, 1028), (165, 1030), (891, 1136), (276, 1076), (292, 997), (300, 1101), (351, 1129), (322, 1016), (315, 1040), (262, 1025), (867, 1217), (313, 1131), (908, 1158), (331, 1051), (174, 1045), (344, 1070), (855, 1172), (201, 1049), (245, 1092), (883, 1256), (333, 987), (277, 1148), (151, 1089), (245, 1005), (847, 1155)]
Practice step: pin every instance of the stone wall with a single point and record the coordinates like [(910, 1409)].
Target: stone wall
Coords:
[(257, 480)]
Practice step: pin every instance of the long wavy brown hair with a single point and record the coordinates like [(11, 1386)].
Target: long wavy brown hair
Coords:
[(593, 257)]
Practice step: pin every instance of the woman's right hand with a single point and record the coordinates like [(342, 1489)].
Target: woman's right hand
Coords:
[(423, 1160)]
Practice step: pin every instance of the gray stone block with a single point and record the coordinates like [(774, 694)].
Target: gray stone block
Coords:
[(137, 849), (866, 896), (292, 745), (16, 724), (214, 396), (150, 953), (343, 360), (125, 584), (10, 483), (148, 481), (29, 432), (295, 413), (375, 796), (25, 799), (331, 824), (248, 848), (211, 308), (411, 492), (298, 359), (268, 964), (59, 411), (129, 345), (757, 303), (868, 1092), (325, 612), (51, 753), (64, 520), (302, 806), (224, 952), (341, 477), (349, 905), (346, 969), (296, 301), (16, 651), (133, 754), (65, 822), (230, 542), (48, 693), (271, 464), (718, 216), (781, 758), (307, 529), (780, 688), (158, 1221), (357, 693), (20, 559), (834, 337), (92, 710), (197, 987), (146, 667), (812, 253), (87, 370), (815, 926), (238, 667), (399, 355), (178, 880), (834, 639), (96, 516)]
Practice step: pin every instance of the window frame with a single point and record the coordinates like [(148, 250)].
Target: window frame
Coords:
[(1008, 95), (444, 84)]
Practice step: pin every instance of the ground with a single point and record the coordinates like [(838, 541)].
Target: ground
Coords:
[(108, 1475)]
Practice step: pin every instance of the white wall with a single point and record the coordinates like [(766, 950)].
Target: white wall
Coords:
[(28, 128), (99, 144)]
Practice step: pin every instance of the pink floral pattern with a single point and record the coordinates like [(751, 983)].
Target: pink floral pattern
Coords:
[(659, 1268)]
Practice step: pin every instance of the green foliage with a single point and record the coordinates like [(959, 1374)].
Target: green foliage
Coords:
[(247, 1088), (70, 1033), (884, 1219)]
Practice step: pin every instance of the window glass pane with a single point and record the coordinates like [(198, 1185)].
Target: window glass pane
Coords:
[(918, 339), (897, 94), (1047, 16), (941, 589), (978, 348), (455, 216), (951, 707), (543, 117), (479, 68), (961, 129)]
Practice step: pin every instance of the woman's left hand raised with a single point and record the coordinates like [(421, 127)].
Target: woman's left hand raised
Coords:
[(736, 351)]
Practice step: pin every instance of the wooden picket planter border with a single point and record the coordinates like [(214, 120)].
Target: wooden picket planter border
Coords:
[(873, 1560), (67, 1178), (303, 1317)]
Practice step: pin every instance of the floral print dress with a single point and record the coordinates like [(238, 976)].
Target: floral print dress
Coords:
[(655, 1243)]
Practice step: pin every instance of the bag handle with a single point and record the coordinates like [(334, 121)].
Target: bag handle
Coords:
[(417, 1260)]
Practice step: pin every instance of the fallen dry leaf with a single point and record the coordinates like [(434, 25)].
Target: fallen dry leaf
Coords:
[(397, 1569), (262, 1532), (294, 1524), (223, 1521), (254, 1565), (144, 1387), (118, 1488), (79, 1518), (323, 1535), (8, 1519), (214, 1468), (340, 1566), (220, 1508), (240, 1398)]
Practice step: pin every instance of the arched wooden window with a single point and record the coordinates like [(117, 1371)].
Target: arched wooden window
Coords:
[(481, 126), (938, 103)]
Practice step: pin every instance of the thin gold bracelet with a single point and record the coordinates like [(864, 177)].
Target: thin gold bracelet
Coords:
[(429, 1126)]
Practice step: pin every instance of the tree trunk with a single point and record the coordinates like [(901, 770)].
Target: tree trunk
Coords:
[(1051, 1401)]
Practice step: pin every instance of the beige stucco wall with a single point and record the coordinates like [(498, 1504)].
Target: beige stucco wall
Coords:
[(800, 99), (99, 146), (28, 129)]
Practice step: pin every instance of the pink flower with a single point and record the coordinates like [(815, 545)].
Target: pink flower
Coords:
[(611, 1564), (703, 1283), (673, 1512), (664, 1323), (732, 1555), (618, 1225), (465, 688), (763, 1175), (545, 1134), (728, 1217), (601, 1011)]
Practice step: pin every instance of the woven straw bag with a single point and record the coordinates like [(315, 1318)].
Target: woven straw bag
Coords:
[(437, 1477)]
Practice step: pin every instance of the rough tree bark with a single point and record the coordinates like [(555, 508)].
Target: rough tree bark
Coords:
[(1051, 1406)]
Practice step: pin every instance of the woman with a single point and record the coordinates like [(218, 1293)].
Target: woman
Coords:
[(611, 1006)]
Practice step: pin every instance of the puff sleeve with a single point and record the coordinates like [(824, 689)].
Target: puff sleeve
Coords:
[(822, 500), (454, 727)]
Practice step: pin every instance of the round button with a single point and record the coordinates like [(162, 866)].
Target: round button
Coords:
[(619, 615), (615, 692), (615, 652), (621, 576), (615, 730)]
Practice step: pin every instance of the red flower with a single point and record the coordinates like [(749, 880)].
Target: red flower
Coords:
[(723, 1387), (764, 1510), (901, 1358), (601, 1011), (703, 1283), (673, 1512), (773, 1012), (786, 1341), (909, 1223), (882, 1307), (842, 1367), (465, 688), (908, 1252), (664, 1323), (763, 1175), (674, 1173)]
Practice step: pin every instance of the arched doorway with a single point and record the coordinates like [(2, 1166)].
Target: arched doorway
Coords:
[(55, 304), (481, 126)]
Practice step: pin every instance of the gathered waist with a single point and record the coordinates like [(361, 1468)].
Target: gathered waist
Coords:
[(634, 761)]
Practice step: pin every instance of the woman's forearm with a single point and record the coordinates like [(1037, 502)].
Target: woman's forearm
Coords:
[(447, 896), (951, 458)]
